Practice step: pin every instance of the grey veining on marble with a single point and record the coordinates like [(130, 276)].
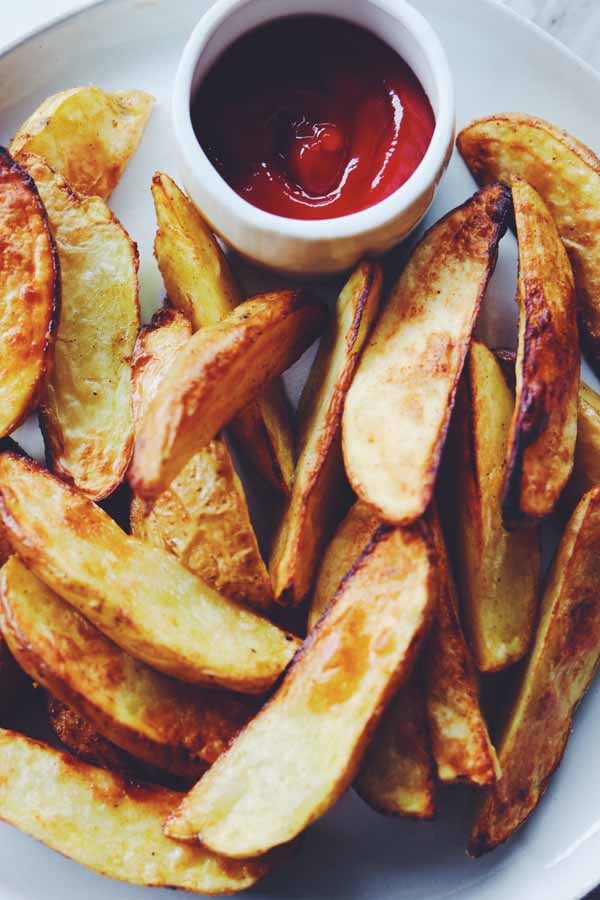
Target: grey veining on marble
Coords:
[(574, 22)]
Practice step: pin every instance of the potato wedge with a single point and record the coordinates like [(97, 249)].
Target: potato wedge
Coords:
[(498, 570), (7, 445), (399, 406), (567, 176), (221, 369), (86, 135), (355, 532), (105, 822), (561, 666), (202, 518), (86, 415), (586, 467), (460, 741), (306, 744), (29, 295), (543, 430), (166, 724), (312, 510), (200, 282), (81, 738), (137, 595), (396, 776)]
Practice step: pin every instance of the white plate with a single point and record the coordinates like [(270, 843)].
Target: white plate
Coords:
[(500, 63)]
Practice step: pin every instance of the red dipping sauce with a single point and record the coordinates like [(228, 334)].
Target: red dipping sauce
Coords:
[(311, 117)]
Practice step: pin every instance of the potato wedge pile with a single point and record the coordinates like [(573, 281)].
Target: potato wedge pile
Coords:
[(498, 570), (200, 282), (313, 504), (119, 825), (400, 510), (413, 361), (203, 517)]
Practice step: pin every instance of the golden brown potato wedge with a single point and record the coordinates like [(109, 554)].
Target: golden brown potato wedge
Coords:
[(202, 518), (107, 823), (567, 176), (561, 666), (221, 369), (396, 776), (498, 570), (196, 273), (200, 282), (86, 413), (80, 737), (347, 544), (305, 746), (7, 445), (139, 596), (460, 741), (166, 724), (459, 737), (399, 406), (312, 510), (29, 294), (543, 430), (5, 548), (86, 135), (586, 467)]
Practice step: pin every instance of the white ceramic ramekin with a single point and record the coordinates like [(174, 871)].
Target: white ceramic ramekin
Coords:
[(329, 245)]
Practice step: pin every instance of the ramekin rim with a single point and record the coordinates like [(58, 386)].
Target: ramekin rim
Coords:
[(362, 222)]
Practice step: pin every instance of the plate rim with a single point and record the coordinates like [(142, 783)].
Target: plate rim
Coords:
[(498, 5), (586, 68)]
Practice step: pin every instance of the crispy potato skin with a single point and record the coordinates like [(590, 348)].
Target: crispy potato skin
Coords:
[(137, 595), (86, 135), (396, 776), (398, 409), (7, 445), (543, 430), (81, 738), (105, 822), (305, 746), (586, 465), (586, 468), (354, 533), (86, 414), (218, 372), (566, 174), (199, 281), (30, 292), (561, 666), (202, 518), (160, 721), (460, 741), (498, 570), (312, 510)]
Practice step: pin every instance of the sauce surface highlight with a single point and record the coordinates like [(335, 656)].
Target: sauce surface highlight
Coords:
[(311, 117)]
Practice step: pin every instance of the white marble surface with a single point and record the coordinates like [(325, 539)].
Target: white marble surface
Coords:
[(575, 22)]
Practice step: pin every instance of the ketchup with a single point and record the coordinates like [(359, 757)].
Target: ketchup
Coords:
[(311, 117)]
